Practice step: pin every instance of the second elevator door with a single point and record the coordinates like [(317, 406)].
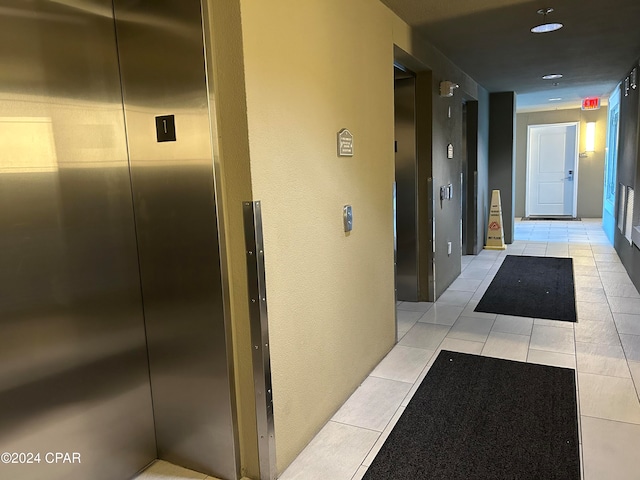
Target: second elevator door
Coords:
[(163, 69), (406, 187)]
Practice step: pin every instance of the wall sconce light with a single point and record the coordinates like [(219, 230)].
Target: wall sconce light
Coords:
[(590, 143), (447, 88)]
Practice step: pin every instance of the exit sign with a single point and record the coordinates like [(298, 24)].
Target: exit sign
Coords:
[(591, 104)]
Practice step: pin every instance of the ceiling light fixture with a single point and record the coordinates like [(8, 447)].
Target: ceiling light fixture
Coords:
[(552, 76), (556, 99), (545, 27)]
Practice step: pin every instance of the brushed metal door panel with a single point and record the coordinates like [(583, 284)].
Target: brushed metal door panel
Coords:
[(163, 73), (406, 190), (73, 363)]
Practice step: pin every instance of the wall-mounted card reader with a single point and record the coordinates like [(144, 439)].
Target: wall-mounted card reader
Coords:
[(347, 217)]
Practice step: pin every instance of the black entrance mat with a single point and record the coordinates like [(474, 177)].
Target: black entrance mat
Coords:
[(481, 418), (538, 287)]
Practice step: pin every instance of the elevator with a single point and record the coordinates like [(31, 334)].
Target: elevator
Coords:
[(471, 245), (115, 345), (414, 213), (406, 188)]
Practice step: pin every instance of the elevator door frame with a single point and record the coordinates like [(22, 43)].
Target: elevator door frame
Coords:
[(421, 204), (406, 199), (164, 77)]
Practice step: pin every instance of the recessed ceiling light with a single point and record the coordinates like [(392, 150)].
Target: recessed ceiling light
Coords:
[(557, 99), (545, 27), (552, 76)]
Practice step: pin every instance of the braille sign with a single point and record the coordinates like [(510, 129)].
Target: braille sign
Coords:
[(345, 143)]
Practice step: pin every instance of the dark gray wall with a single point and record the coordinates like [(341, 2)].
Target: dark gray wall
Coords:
[(484, 198), (629, 175), (502, 126), (447, 212)]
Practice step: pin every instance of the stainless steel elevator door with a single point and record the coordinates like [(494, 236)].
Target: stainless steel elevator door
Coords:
[(73, 362), (406, 187), (163, 74)]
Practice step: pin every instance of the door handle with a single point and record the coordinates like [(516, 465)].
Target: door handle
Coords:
[(570, 177)]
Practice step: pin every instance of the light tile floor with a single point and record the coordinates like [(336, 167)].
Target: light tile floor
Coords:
[(604, 345), (161, 470)]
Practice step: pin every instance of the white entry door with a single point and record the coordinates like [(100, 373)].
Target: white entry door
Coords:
[(551, 170)]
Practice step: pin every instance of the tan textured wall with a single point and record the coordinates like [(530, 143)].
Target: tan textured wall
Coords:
[(312, 68), (590, 168), (228, 103)]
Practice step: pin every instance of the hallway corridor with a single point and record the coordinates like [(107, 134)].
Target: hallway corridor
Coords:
[(603, 347)]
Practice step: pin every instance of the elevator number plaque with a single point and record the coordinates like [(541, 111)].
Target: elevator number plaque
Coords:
[(166, 128), (345, 143)]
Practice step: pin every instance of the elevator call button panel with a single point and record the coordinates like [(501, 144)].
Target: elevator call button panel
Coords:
[(347, 216)]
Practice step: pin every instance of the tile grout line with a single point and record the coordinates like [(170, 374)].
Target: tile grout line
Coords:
[(611, 420), (464, 307), (615, 325)]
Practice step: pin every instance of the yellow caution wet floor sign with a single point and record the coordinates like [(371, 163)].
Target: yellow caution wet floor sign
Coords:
[(495, 236)]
